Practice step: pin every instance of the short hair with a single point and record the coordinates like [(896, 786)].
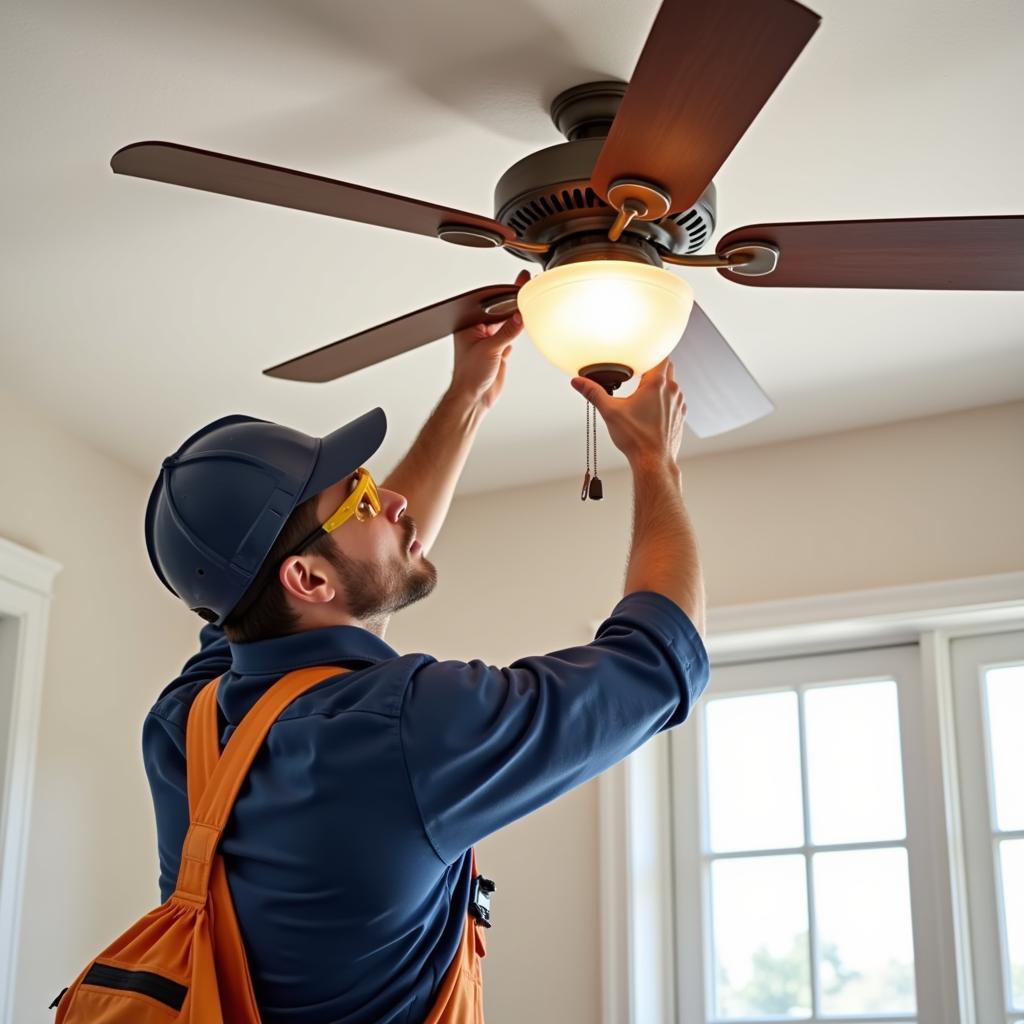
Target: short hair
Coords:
[(263, 611)]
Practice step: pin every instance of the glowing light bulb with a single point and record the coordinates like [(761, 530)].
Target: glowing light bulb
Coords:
[(605, 311)]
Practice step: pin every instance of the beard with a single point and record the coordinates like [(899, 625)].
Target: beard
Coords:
[(376, 589)]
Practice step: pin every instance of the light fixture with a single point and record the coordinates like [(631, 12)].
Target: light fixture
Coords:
[(605, 318)]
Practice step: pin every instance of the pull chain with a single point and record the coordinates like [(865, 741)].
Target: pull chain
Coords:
[(596, 490), (591, 485), (586, 479)]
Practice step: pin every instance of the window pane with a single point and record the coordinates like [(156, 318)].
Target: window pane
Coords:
[(866, 955), (1004, 690), (761, 956), (1011, 863), (754, 798), (853, 763)]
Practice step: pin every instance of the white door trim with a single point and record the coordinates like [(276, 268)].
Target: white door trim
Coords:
[(26, 586)]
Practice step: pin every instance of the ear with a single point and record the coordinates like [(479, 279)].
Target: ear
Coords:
[(303, 577)]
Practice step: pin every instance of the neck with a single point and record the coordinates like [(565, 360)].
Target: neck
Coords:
[(328, 616)]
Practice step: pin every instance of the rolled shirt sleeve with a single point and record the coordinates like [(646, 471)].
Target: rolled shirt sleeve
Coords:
[(486, 745)]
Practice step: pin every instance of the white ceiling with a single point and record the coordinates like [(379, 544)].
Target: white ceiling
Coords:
[(136, 311)]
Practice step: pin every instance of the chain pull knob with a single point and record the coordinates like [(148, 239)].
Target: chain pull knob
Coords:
[(591, 484)]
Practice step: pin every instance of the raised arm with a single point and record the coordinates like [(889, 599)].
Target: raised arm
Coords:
[(484, 745), (428, 474), (647, 427), (664, 555)]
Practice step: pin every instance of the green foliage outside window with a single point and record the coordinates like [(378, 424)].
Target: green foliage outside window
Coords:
[(781, 985)]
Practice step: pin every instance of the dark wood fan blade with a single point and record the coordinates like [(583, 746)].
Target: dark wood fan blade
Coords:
[(279, 186), (400, 335), (720, 393), (706, 70), (969, 253)]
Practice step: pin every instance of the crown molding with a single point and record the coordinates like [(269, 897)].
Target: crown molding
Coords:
[(27, 568)]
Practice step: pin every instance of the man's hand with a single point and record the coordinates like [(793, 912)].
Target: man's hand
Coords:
[(481, 352), (647, 423)]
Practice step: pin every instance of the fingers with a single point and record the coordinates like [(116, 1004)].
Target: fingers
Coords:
[(508, 330), (499, 381), (593, 392)]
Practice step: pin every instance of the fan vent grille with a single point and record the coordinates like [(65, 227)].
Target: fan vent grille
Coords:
[(536, 210), (546, 214)]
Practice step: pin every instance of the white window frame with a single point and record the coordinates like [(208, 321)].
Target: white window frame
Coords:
[(969, 657), (26, 587), (645, 979), (922, 843)]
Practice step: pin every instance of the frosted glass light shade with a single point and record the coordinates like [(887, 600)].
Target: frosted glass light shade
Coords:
[(605, 311)]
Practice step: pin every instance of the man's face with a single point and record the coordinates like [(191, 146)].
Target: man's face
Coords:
[(377, 572)]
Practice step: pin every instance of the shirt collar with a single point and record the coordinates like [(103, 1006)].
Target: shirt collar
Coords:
[(325, 646)]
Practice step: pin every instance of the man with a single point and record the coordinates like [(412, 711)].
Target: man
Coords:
[(349, 853)]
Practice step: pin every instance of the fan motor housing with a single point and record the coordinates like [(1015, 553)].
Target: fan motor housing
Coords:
[(546, 198)]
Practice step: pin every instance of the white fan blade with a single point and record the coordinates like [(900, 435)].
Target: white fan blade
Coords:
[(720, 393)]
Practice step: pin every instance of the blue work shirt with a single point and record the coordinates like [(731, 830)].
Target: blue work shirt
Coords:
[(349, 849)]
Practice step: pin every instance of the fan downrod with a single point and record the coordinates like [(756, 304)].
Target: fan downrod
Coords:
[(587, 111)]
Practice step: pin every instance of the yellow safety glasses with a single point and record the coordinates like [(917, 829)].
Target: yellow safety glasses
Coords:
[(363, 502)]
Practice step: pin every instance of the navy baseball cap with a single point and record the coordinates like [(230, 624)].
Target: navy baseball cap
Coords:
[(223, 497)]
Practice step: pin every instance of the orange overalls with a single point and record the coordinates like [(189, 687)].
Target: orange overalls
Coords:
[(460, 998), (186, 957)]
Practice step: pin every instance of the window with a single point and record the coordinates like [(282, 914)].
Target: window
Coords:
[(988, 695), (837, 833), (805, 832)]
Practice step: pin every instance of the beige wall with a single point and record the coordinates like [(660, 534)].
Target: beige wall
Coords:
[(115, 638), (526, 571), (521, 572)]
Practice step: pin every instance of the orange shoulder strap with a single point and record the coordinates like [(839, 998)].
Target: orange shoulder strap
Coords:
[(214, 779), (202, 743)]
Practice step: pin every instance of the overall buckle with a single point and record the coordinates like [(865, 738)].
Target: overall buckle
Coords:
[(480, 899)]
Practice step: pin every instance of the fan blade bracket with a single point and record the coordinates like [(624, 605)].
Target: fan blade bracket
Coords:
[(650, 201), (470, 235), (751, 259), (481, 238), (500, 305), (635, 200)]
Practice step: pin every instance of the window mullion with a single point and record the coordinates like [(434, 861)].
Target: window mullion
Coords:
[(1004, 952), (812, 918), (809, 848)]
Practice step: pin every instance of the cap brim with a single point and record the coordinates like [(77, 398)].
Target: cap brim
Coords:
[(344, 450)]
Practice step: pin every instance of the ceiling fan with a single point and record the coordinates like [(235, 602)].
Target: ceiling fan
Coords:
[(629, 191)]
